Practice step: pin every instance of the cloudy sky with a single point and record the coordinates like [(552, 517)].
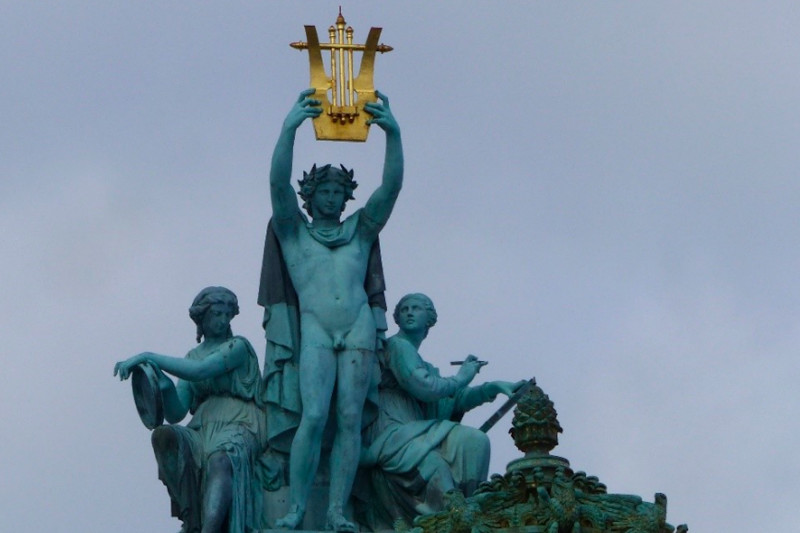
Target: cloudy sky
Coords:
[(603, 195)]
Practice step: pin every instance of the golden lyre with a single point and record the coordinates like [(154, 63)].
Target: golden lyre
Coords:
[(343, 96)]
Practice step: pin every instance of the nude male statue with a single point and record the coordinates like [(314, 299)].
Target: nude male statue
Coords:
[(327, 262)]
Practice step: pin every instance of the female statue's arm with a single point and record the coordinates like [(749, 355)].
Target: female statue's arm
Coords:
[(420, 380), (471, 397), (229, 355), (175, 399)]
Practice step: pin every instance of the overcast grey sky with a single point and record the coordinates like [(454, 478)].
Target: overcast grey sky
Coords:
[(603, 195)]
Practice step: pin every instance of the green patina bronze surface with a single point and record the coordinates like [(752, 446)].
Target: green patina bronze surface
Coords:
[(210, 465), (418, 450), (327, 262), (421, 470)]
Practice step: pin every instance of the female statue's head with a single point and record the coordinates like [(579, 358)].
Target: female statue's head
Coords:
[(213, 309), (423, 301)]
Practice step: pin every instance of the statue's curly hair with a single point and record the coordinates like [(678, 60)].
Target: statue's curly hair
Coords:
[(313, 178), (208, 297)]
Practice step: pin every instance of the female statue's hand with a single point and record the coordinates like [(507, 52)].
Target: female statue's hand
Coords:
[(518, 385), (123, 368), (469, 368), (505, 387)]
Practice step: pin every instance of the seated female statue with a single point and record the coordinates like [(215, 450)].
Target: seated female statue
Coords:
[(418, 449), (208, 465)]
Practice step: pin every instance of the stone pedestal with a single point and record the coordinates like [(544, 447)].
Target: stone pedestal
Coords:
[(548, 464), (277, 503)]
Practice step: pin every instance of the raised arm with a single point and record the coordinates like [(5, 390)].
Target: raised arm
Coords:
[(380, 204), (284, 200)]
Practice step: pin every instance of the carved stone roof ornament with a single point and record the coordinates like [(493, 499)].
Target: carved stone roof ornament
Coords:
[(541, 493)]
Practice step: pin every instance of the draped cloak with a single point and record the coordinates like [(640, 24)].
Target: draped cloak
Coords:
[(281, 324)]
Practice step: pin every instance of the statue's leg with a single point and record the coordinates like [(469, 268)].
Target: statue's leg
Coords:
[(218, 493), (439, 478), (173, 448), (317, 378), (355, 370), (467, 449)]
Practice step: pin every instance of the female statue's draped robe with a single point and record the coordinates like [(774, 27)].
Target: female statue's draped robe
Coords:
[(417, 435)]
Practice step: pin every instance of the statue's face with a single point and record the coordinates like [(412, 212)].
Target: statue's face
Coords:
[(217, 320), (328, 200), (413, 316)]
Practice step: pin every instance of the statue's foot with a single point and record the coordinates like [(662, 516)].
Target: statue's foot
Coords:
[(337, 522), (292, 519)]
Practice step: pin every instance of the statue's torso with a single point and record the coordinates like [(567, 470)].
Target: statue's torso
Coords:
[(329, 281)]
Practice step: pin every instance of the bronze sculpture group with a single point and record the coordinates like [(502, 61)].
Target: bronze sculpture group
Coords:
[(386, 421), (327, 365)]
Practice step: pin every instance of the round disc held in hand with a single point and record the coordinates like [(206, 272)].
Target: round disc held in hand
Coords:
[(147, 395)]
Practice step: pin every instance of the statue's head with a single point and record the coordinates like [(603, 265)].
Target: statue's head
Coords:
[(423, 301), (326, 174), (214, 308)]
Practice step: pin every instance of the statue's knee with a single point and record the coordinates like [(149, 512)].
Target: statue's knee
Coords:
[(314, 420), (219, 464), (484, 443), (484, 440), (478, 441), (348, 420), (164, 438)]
